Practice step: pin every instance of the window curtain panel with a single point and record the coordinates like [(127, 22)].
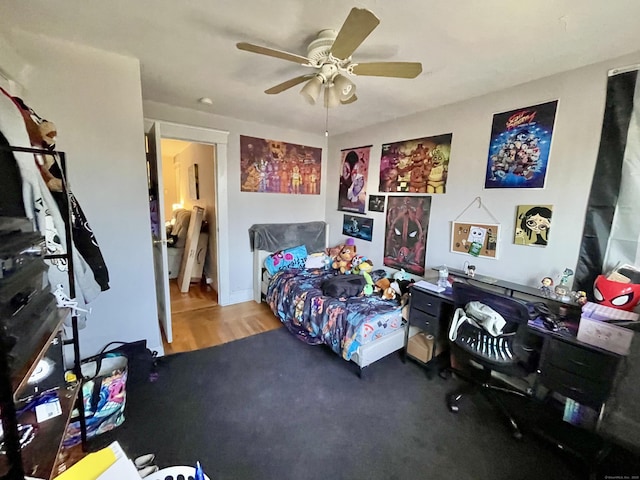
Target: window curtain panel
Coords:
[(611, 232), (612, 235)]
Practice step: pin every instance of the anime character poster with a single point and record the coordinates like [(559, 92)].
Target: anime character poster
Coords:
[(416, 166), (520, 145), (533, 223), (272, 166), (353, 179), (357, 227), (405, 242)]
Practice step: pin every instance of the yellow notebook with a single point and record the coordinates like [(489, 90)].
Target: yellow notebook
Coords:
[(94, 464)]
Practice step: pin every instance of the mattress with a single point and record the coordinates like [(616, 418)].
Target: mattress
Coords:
[(344, 325)]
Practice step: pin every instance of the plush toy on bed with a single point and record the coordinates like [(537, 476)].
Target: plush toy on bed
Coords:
[(342, 261)]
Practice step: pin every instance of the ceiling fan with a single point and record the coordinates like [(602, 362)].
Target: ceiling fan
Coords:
[(329, 55)]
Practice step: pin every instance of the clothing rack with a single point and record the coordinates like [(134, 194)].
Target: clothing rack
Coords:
[(9, 414)]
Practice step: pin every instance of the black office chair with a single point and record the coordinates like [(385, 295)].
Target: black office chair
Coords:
[(505, 353)]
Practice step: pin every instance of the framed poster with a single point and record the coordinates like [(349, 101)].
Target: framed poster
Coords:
[(407, 225), (376, 203), (533, 223), (475, 239), (354, 170), (416, 166), (357, 227), (272, 166), (519, 147)]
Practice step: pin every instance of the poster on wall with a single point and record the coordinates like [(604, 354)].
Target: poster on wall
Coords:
[(353, 179), (519, 147), (407, 224), (475, 239), (271, 166), (416, 166), (533, 223), (357, 227), (376, 203)]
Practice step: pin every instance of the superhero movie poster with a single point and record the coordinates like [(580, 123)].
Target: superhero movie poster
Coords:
[(520, 145), (354, 170), (416, 166), (407, 224), (271, 166)]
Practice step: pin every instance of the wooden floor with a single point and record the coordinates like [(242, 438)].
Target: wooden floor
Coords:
[(199, 322)]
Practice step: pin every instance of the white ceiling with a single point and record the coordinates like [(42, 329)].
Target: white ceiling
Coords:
[(467, 48)]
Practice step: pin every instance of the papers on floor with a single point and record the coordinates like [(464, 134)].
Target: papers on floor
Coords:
[(110, 463)]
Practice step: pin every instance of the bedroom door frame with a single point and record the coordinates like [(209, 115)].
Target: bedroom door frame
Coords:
[(219, 140)]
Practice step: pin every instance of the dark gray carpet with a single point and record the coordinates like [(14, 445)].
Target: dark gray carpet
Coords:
[(271, 407)]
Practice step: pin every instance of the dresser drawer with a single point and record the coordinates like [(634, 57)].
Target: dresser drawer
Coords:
[(424, 321), (582, 390), (586, 363), (425, 303)]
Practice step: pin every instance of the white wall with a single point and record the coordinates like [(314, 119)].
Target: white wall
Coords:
[(95, 99), (247, 208), (575, 142), (171, 192)]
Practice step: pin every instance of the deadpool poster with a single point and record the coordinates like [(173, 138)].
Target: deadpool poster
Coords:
[(405, 242)]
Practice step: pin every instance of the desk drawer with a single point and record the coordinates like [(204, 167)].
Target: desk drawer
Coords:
[(425, 303), (586, 363), (581, 389), (424, 321)]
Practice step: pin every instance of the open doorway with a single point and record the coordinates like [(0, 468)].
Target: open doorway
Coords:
[(188, 171)]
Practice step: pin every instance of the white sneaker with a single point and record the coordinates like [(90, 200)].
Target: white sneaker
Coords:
[(146, 471), (144, 460)]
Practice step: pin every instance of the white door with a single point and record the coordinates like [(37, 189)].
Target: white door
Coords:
[(158, 231)]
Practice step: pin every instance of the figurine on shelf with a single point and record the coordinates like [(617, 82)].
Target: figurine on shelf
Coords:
[(562, 290), (580, 297), (547, 283), (469, 269)]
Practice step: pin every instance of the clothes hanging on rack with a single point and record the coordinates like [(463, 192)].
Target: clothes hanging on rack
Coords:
[(42, 134), (40, 206)]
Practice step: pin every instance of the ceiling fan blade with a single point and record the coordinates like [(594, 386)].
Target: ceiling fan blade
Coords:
[(358, 25), (351, 99), (389, 69), (288, 84), (271, 52)]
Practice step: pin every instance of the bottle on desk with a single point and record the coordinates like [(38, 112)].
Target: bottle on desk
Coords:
[(443, 276)]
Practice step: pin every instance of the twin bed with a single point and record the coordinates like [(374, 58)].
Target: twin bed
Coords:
[(360, 329)]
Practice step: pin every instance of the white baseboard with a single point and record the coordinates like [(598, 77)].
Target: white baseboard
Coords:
[(239, 297)]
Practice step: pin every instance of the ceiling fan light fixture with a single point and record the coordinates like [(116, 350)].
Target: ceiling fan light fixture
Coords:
[(311, 89), (331, 97), (346, 88)]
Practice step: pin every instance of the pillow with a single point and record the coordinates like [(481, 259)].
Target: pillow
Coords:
[(294, 257), (317, 260)]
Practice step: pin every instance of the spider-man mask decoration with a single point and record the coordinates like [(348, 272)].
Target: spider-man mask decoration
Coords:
[(623, 296)]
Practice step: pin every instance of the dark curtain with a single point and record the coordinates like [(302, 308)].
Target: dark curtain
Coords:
[(605, 186)]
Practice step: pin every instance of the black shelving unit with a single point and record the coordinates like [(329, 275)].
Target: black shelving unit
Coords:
[(38, 458)]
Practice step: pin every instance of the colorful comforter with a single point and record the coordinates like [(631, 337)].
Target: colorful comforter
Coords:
[(296, 298)]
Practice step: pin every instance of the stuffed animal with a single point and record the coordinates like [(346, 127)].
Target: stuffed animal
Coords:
[(383, 287), (360, 263), (401, 275), (342, 261)]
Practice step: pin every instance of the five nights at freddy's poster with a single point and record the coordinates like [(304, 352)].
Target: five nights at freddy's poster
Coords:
[(520, 145)]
